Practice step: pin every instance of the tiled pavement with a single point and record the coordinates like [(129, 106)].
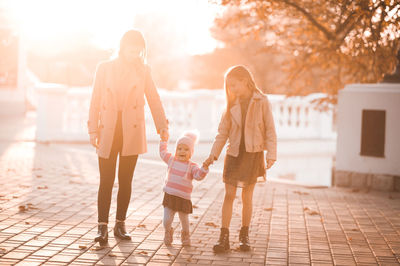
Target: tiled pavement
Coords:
[(48, 216)]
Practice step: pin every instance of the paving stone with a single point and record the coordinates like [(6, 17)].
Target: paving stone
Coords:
[(4, 261), (29, 262), (19, 255), (61, 258)]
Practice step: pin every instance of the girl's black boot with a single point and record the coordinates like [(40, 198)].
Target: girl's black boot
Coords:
[(223, 242), (102, 234), (244, 239), (120, 231)]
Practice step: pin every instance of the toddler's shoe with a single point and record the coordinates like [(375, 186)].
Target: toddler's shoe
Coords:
[(185, 238), (168, 236)]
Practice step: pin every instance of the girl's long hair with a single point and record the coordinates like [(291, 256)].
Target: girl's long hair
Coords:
[(134, 38), (238, 72)]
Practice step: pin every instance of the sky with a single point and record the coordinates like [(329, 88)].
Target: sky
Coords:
[(43, 22)]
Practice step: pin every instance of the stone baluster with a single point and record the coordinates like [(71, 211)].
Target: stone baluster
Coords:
[(51, 112)]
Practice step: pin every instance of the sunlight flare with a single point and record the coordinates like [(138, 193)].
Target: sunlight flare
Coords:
[(48, 22)]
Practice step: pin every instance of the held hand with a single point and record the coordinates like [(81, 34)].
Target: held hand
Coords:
[(209, 160), (94, 140), (164, 135), (270, 163), (163, 138)]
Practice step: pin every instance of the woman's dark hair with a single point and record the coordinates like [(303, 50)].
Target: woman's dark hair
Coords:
[(133, 38)]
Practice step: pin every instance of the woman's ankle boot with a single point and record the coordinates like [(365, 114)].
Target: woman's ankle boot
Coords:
[(223, 242), (102, 234), (120, 231), (244, 239)]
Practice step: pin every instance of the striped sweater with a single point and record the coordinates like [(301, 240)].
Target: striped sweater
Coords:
[(178, 181)]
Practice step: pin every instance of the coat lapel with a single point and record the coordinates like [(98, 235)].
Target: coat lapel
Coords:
[(236, 112)]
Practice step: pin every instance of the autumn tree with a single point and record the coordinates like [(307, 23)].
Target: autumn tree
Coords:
[(326, 44), (261, 59), (207, 70)]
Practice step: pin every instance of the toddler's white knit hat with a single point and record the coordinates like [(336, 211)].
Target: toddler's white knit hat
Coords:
[(188, 138)]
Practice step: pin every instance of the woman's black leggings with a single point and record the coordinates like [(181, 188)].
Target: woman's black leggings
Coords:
[(107, 169)]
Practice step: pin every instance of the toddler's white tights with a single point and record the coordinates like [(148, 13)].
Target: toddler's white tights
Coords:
[(169, 218)]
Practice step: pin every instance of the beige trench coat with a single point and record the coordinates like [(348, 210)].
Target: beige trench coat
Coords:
[(103, 110), (259, 129)]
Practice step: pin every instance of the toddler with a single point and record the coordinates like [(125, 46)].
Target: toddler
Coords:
[(178, 184)]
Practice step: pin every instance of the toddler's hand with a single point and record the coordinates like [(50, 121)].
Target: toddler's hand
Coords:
[(164, 135)]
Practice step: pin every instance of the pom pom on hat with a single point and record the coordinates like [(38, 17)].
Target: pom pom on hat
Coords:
[(189, 138)]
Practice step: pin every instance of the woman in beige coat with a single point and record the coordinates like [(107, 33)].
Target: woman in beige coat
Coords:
[(248, 126), (117, 125)]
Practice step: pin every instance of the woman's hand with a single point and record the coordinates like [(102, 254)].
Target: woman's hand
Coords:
[(270, 163), (94, 140), (164, 135)]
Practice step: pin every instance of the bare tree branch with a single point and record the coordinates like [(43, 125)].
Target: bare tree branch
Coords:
[(307, 14)]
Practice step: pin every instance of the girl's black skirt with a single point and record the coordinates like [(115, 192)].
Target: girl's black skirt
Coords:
[(246, 169), (177, 204)]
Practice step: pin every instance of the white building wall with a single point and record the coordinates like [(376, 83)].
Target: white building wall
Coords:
[(352, 100)]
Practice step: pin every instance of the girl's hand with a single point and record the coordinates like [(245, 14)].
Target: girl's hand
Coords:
[(94, 140), (205, 166), (209, 160), (270, 163)]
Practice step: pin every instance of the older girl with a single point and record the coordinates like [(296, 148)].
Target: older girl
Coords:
[(117, 126), (248, 126)]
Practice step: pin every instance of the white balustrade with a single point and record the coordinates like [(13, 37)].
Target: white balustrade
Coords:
[(50, 112), (62, 114)]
